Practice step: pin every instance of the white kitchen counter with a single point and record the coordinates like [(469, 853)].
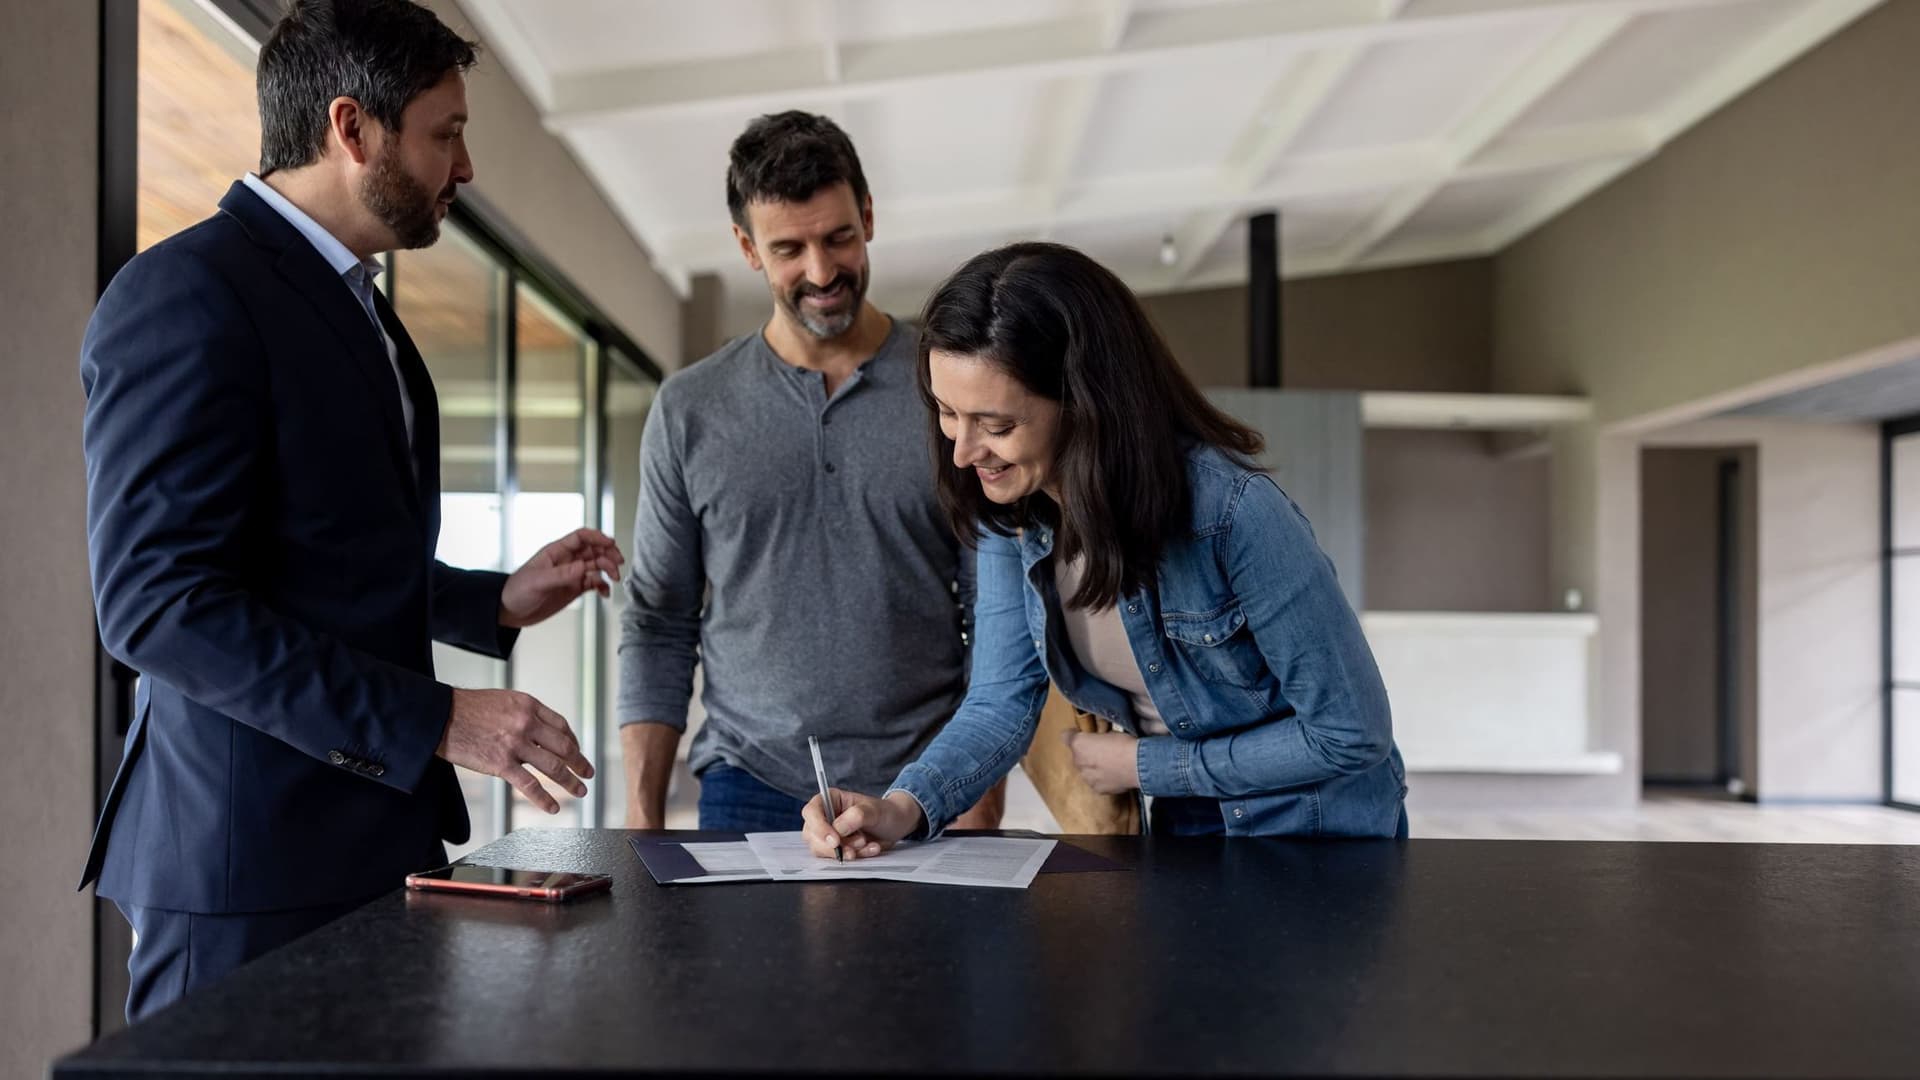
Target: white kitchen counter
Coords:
[(1492, 692)]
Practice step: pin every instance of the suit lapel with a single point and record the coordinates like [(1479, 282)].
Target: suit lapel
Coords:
[(426, 414), (303, 268)]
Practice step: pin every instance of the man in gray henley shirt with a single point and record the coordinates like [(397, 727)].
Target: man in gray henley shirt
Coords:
[(788, 537)]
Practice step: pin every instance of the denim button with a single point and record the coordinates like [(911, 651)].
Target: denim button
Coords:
[(1208, 638), (1239, 813), (1133, 609), (1184, 725), (336, 757), (1153, 669), (1036, 643)]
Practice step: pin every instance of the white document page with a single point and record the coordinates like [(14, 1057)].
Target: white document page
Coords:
[(993, 861), (725, 861)]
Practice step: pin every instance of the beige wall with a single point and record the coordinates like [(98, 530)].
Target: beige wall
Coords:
[(1452, 526), (1775, 235), (49, 70), (1770, 244), (1416, 328), (528, 175), (1820, 668), (701, 319), (1817, 674)]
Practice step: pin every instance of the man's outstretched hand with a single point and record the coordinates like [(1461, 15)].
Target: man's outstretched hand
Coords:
[(581, 560)]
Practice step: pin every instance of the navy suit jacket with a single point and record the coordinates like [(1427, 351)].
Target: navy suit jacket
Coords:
[(262, 541)]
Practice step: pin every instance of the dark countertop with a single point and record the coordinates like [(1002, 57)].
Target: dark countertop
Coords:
[(1209, 957)]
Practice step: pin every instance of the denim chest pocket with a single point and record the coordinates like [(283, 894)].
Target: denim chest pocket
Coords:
[(1218, 645)]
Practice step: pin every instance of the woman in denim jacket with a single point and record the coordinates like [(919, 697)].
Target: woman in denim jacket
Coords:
[(1132, 553)]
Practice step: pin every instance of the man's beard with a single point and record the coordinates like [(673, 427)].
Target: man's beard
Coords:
[(822, 324), (402, 203)]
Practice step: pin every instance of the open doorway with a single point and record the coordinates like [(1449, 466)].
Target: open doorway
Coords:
[(1697, 637)]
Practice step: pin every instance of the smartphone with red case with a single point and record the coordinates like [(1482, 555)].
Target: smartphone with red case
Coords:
[(551, 886)]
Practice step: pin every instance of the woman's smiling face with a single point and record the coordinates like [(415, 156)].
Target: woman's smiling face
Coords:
[(1004, 432)]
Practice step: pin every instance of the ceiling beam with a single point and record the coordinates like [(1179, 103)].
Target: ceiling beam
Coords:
[(1030, 211), (1734, 76), (826, 17), (1547, 68), (506, 40), (1068, 46), (1307, 264), (1290, 103), (1074, 111), (900, 298)]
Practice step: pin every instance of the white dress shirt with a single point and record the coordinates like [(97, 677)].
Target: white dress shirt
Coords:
[(356, 274)]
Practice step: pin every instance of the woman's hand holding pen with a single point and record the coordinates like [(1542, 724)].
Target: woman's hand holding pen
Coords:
[(865, 826)]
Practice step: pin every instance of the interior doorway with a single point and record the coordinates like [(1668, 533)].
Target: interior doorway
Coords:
[(1698, 528)]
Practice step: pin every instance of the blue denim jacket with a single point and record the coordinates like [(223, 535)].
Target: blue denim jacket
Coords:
[(1249, 650)]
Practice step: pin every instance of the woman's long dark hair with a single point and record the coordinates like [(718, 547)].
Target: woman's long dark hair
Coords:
[(1070, 331)]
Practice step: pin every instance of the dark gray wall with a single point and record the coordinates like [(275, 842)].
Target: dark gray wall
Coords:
[(1315, 450), (1414, 328), (1453, 526)]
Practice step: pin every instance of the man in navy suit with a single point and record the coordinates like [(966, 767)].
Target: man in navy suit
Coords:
[(262, 444)]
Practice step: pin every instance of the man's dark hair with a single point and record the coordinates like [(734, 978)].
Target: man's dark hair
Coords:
[(787, 157), (1070, 331), (381, 53)]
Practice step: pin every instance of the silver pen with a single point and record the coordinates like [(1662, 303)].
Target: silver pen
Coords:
[(826, 795)]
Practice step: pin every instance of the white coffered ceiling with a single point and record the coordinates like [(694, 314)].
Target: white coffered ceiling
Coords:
[(1386, 132)]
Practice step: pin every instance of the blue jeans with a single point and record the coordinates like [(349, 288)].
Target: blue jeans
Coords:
[(734, 800)]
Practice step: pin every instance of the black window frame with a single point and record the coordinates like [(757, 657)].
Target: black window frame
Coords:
[(1890, 431)]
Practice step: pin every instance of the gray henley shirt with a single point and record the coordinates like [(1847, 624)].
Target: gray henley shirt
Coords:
[(794, 546)]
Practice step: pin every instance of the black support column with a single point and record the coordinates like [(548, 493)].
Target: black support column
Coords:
[(1263, 300)]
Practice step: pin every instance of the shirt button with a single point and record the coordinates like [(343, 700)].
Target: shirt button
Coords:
[(1133, 609), (1036, 643), (830, 469), (1208, 638), (336, 757), (378, 771), (1153, 669), (1239, 813), (1184, 725)]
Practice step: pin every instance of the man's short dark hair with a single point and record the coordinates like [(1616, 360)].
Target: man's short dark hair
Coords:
[(381, 53), (788, 157)]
